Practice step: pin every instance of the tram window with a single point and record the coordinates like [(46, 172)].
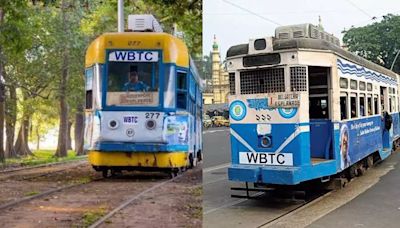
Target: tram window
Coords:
[(181, 81), (344, 83), (89, 88), (362, 105), (390, 104), (343, 107), (369, 105), (181, 100), (319, 108), (353, 107), (353, 84), (376, 108), (362, 85), (133, 84), (369, 86), (169, 87), (89, 99)]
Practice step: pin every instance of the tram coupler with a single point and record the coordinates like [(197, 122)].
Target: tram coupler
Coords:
[(247, 189)]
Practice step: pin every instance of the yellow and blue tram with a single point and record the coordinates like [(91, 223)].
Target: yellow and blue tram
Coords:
[(302, 108), (143, 101)]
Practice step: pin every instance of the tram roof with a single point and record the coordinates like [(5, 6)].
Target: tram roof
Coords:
[(174, 49), (316, 44)]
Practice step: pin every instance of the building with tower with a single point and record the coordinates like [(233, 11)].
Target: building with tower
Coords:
[(219, 91)]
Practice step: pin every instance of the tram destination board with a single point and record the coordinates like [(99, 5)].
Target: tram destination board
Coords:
[(261, 60)]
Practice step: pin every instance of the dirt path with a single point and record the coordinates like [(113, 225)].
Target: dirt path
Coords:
[(176, 204), (81, 206), (16, 185)]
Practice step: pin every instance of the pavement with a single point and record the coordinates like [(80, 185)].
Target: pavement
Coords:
[(379, 206)]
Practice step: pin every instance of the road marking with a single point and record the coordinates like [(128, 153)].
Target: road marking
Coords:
[(226, 205), (213, 168), (213, 131)]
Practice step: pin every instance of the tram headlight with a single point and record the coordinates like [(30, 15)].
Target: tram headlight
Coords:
[(265, 141), (150, 124), (113, 124)]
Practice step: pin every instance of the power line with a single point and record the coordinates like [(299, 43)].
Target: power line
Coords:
[(251, 12), (361, 10)]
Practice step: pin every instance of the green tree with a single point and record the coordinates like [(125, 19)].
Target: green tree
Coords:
[(378, 42)]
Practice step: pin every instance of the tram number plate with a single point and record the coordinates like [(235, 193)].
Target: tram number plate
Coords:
[(262, 158)]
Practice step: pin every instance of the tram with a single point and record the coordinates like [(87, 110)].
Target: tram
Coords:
[(143, 101), (302, 108)]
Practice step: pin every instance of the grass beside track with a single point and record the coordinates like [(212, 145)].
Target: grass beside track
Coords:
[(40, 157)]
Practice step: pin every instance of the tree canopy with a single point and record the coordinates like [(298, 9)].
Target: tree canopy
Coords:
[(378, 42)]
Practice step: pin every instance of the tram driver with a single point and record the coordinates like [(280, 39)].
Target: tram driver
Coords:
[(134, 84)]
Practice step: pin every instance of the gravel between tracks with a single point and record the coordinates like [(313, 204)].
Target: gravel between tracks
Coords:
[(80, 206)]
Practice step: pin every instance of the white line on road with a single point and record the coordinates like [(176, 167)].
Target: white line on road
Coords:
[(213, 168), (213, 131), (226, 205)]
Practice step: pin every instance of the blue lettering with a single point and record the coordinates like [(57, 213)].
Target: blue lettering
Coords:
[(140, 55), (119, 55), (148, 56), (131, 55)]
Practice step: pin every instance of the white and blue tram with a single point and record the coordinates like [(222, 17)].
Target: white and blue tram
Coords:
[(143, 101), (302, 108)]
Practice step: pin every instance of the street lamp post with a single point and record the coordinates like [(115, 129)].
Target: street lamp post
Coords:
[(395, 58)]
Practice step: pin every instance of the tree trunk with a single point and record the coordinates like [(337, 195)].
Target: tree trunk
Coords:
[(62, 147), (2, 97), (79, 130), (21, 145), (37, 138), (11, 119), (69, 141)]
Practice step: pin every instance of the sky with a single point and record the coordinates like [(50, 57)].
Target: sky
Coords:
[(236, 21)]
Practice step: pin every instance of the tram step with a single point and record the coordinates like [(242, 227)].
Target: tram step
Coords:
[(315, 161)]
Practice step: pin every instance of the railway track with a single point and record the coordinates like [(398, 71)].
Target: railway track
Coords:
[(39, 171), (129, 188), (10, 170), (130, 200), (40, 195), (312, 199)]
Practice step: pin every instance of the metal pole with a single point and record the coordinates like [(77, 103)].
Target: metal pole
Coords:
[(120, 15), (395, 58)]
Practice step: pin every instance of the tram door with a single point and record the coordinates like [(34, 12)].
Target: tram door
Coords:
[(320, 121), (384, 108)]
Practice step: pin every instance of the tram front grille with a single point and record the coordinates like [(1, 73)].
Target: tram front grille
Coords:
[(262, 81)]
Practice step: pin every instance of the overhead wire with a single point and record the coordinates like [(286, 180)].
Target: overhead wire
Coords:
[(251, 12)]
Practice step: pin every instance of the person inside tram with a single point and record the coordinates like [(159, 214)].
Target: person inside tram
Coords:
[(134, 84)]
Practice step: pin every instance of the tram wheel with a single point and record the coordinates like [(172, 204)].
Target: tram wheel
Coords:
[(370, 161), (105, 173), (174, 172)]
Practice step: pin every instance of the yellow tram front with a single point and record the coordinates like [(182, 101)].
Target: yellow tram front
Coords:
[(136, 102)]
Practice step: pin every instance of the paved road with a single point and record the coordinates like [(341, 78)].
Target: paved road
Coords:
[(379, 206), (219, 208)]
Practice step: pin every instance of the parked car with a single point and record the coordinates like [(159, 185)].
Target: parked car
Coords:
[(207, 122), (220, 121)]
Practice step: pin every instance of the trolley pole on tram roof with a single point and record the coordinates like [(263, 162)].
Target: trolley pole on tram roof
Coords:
[(120, 15)]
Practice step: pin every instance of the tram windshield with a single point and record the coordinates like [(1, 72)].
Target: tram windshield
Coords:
[(133, 84)]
